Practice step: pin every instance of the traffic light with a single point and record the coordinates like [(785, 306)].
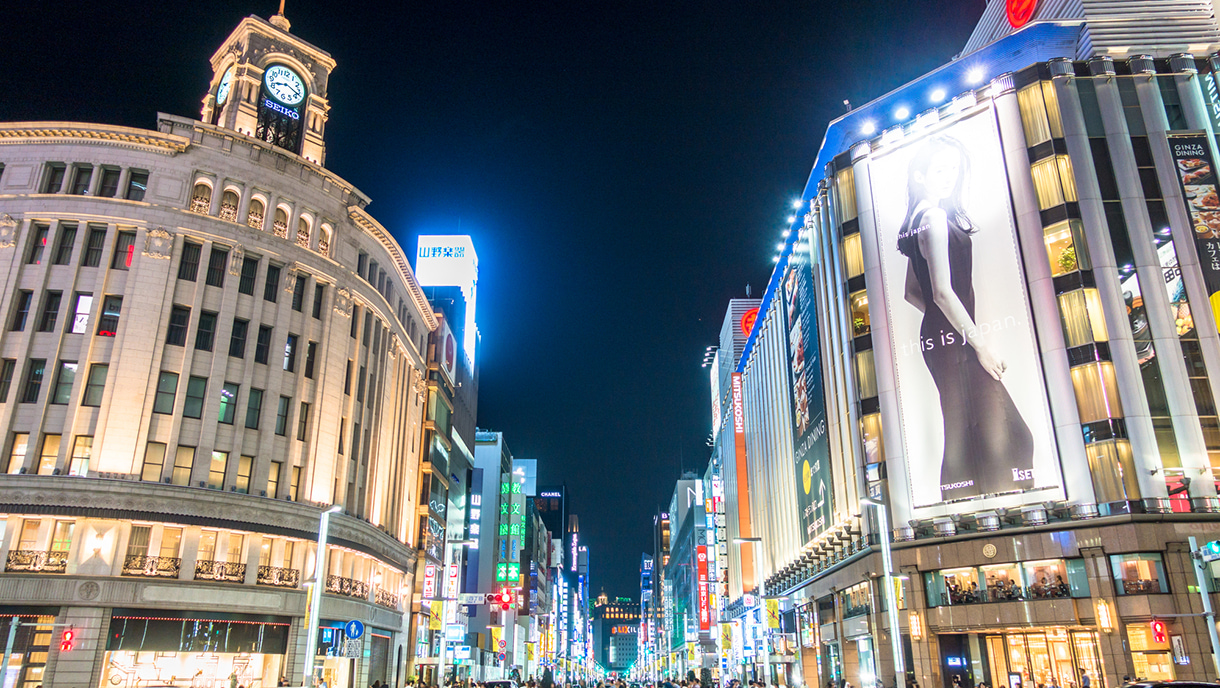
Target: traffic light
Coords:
[(505, 599), (1158, 632), (1210, 551), (67, 641)]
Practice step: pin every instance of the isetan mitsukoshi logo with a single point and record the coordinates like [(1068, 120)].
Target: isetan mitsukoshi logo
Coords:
[(1020, 12)]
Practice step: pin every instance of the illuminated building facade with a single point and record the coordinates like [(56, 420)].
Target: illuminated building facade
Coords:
[(164, 504), (993, 314), (616, 626)]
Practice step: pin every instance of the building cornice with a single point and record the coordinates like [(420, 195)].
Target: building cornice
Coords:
[(256, 24), (100, 134), (370, 225)]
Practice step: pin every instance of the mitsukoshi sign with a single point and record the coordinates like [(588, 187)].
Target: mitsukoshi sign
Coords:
[(973, 407)]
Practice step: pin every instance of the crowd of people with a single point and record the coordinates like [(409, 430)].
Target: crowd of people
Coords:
[(999, 590)]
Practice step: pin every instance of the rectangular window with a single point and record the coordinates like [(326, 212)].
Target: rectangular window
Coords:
[(95, 384), (1096, 387), (188, 267), (845, 185), (853, 256), (54, 182), (206, 331), (362, 261), (7, 367), (167, 388), (171, 542), (49, 454), (137, 542), (38, 244), (137, 185), (294, 488), (249, 271), (61, 536), (184, 459), (217, 261), (290, 353), (196, 390), (94, 246), (82, 452), (228, 402), (80, 313), (271, 288), (65, 377), (154, 462), (342, 432), (109, 185), (281, 416), (124, 250), (1033, 115), (347, 378), (216, 472), (33, 380), (298, 293), (244, 465), (50, 311), (237, 340), (21, 311), (319, 293), (355, 328), (311, 353), (81, 176), (108, 323), (273, 479), (866, 377), (303, 421), (16, 455), (64, 244), (262, 346), (1136, 574), (179, 320), (360, 386), (254, 408)]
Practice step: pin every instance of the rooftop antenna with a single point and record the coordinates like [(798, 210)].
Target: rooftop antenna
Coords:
[(279, 20), (747, 290)]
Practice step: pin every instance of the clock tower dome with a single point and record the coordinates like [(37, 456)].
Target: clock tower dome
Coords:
[(271, 85)]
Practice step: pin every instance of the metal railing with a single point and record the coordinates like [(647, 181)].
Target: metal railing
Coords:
[(279, 577), (153, 567), (227, 571), (385, 598), (347, 587), (37, 561)]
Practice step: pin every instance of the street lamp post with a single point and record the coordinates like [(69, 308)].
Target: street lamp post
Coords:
[(443, 658), (315, 597), (891, 604), (762, 604)]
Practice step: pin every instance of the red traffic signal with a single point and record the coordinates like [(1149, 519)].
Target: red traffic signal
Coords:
[(1158, 631), (67, 641), (505, 599)]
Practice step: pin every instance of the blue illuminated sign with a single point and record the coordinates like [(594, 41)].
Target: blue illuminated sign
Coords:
[(272, 105)]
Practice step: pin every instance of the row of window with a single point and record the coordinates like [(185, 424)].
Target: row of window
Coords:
[(255, 215), (65, 378), (84, 179), (1133, 574)]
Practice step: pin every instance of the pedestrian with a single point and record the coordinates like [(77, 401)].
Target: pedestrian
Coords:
[(377, 683), (1084, 679)]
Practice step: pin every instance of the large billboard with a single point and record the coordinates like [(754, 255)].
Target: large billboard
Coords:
[(971, 394), (1197, 174), (810, 446)]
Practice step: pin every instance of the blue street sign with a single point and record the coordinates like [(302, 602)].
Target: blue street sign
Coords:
[(353, 629)]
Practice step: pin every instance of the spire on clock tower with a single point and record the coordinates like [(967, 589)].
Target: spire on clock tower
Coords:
[(271, 85)]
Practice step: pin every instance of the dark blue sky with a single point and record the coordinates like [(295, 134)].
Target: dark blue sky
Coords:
[(624, 168)]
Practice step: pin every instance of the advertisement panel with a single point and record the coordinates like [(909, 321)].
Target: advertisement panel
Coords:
[(1197, 175), (974, 412), (705, 610), (810, 446), (745, 529)]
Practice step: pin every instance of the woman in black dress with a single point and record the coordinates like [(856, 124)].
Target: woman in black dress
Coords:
[(988, 445)]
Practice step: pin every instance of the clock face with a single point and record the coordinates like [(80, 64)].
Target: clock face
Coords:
[(222, 93), (284, 85)]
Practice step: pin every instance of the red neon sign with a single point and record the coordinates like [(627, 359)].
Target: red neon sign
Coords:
[(1020, 12), (748, 320), (705, 610)]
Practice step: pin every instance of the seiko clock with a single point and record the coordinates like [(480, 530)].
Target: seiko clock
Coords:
[(222, 93), (284, 85)]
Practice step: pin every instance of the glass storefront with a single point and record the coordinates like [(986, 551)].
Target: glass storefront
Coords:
[(1050, 656), (31, 646)]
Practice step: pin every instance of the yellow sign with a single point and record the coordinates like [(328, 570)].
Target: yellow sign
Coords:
[(690, 652), (495, 638), (726, 636), (434, 622), (772, 613), (529, 652)]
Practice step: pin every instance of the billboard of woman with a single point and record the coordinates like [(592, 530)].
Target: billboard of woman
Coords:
[(970, 387)]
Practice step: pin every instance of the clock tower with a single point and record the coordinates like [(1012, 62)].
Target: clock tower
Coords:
[(271, 85)]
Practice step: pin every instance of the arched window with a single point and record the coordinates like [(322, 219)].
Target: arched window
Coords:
[(228, 205), (303, 231), (254, 216), (324, 241), (281, 223), (201, 198)]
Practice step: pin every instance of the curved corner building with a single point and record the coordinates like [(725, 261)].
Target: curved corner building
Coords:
[(206, 340)]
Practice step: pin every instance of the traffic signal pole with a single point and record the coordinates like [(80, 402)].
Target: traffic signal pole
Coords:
[(1201, 577)]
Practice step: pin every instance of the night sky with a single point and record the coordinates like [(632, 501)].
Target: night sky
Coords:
[(624, 168)]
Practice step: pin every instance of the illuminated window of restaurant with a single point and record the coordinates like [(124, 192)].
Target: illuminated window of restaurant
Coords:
[(1136, 574), (244, 466), (1003, 581), (171, 542), (1096, 392), (1052, 109), (1065, 247), (236, 540), (264, 552), (49, 454), (289, 551), (859, 313), (1053, 181), (61, 537), (207, 545), (853, 256), (184, 459), (870, 435), (1112, 466), (866, 376), (82, 453), (845, 186), (1033, 115), (273, 479), (137, 541), (29, 534), (16, 456), (216, 472), (1082, 318), (154, 462)]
